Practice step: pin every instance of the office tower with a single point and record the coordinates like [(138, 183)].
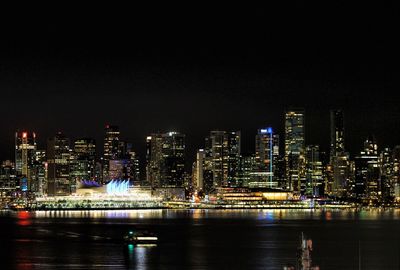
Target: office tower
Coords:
[(396, 171), (337, 133), (154, 145), (294, 150), (40, 173), (217, 147), (199, 169), (165, 157), (111, 148), (341, 174), (279, 170), (83, 160), (173, 159), (351, 185), (135, 165), (338, 158), (328, 179), (223, 152), (234, 149), (202, 172), (248, 165), (367, 172), (120, 169), (267, 154), (385, 161), (58, 173), (314, 172), (8, 179), (25, 147)]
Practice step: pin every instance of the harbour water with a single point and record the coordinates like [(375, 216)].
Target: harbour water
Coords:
[(199, 239)]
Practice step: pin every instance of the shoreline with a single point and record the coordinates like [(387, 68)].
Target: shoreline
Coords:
[(206, 208)]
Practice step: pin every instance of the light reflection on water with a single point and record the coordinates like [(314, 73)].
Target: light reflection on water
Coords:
[(199, 238), (269, 214)]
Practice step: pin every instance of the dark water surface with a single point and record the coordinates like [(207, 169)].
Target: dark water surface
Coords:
[(199, 239)]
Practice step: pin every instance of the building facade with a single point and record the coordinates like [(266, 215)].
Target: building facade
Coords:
[(295, 150), (59, 180)]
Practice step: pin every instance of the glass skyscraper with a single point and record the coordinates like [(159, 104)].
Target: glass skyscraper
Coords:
[(295, 150)]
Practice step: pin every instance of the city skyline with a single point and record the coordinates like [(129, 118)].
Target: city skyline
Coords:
[(248, 141), (195, 135), (290, 164)]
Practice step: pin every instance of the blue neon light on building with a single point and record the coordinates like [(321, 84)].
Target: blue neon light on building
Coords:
[(118, 187)]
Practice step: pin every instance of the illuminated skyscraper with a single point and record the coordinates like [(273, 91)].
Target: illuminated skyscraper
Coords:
[(385, 161), (267, 154), (111, 148), (25, 149), (338, 158), (134, 165), (367, 172), (248, 166), (154, 145), (217, 149), (165, 159), (337, 133), (84, 159), (8, 179), (396, 171), (58, 159), (223, 154), (120, 169), (234, 149), (173, 160), (199, 169), (341, 174), (40, 173), (295, 150), (314, 172)]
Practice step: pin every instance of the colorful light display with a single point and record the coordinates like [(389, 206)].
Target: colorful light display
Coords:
[(118, 187)]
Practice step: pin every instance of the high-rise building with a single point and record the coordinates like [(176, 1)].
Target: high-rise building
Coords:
[(385, 161), (223, 152), (154, 145), (217, 151), (165, 157), (338, 158), (341, 174), (111, 148), (248, 166), (120, 169), (8, 179), (396, 170), (295, 150), (267, 154), (40, 173), (173, 160), (135, 165), (83, 160), (367, 184), (314, 172), (234, 149), (58, 159), (199, 169), (337, 133), (25, 149)]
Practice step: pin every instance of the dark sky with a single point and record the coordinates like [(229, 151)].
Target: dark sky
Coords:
[(198, 68)]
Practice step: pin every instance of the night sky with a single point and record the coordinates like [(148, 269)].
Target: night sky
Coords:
[(197, 68)]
